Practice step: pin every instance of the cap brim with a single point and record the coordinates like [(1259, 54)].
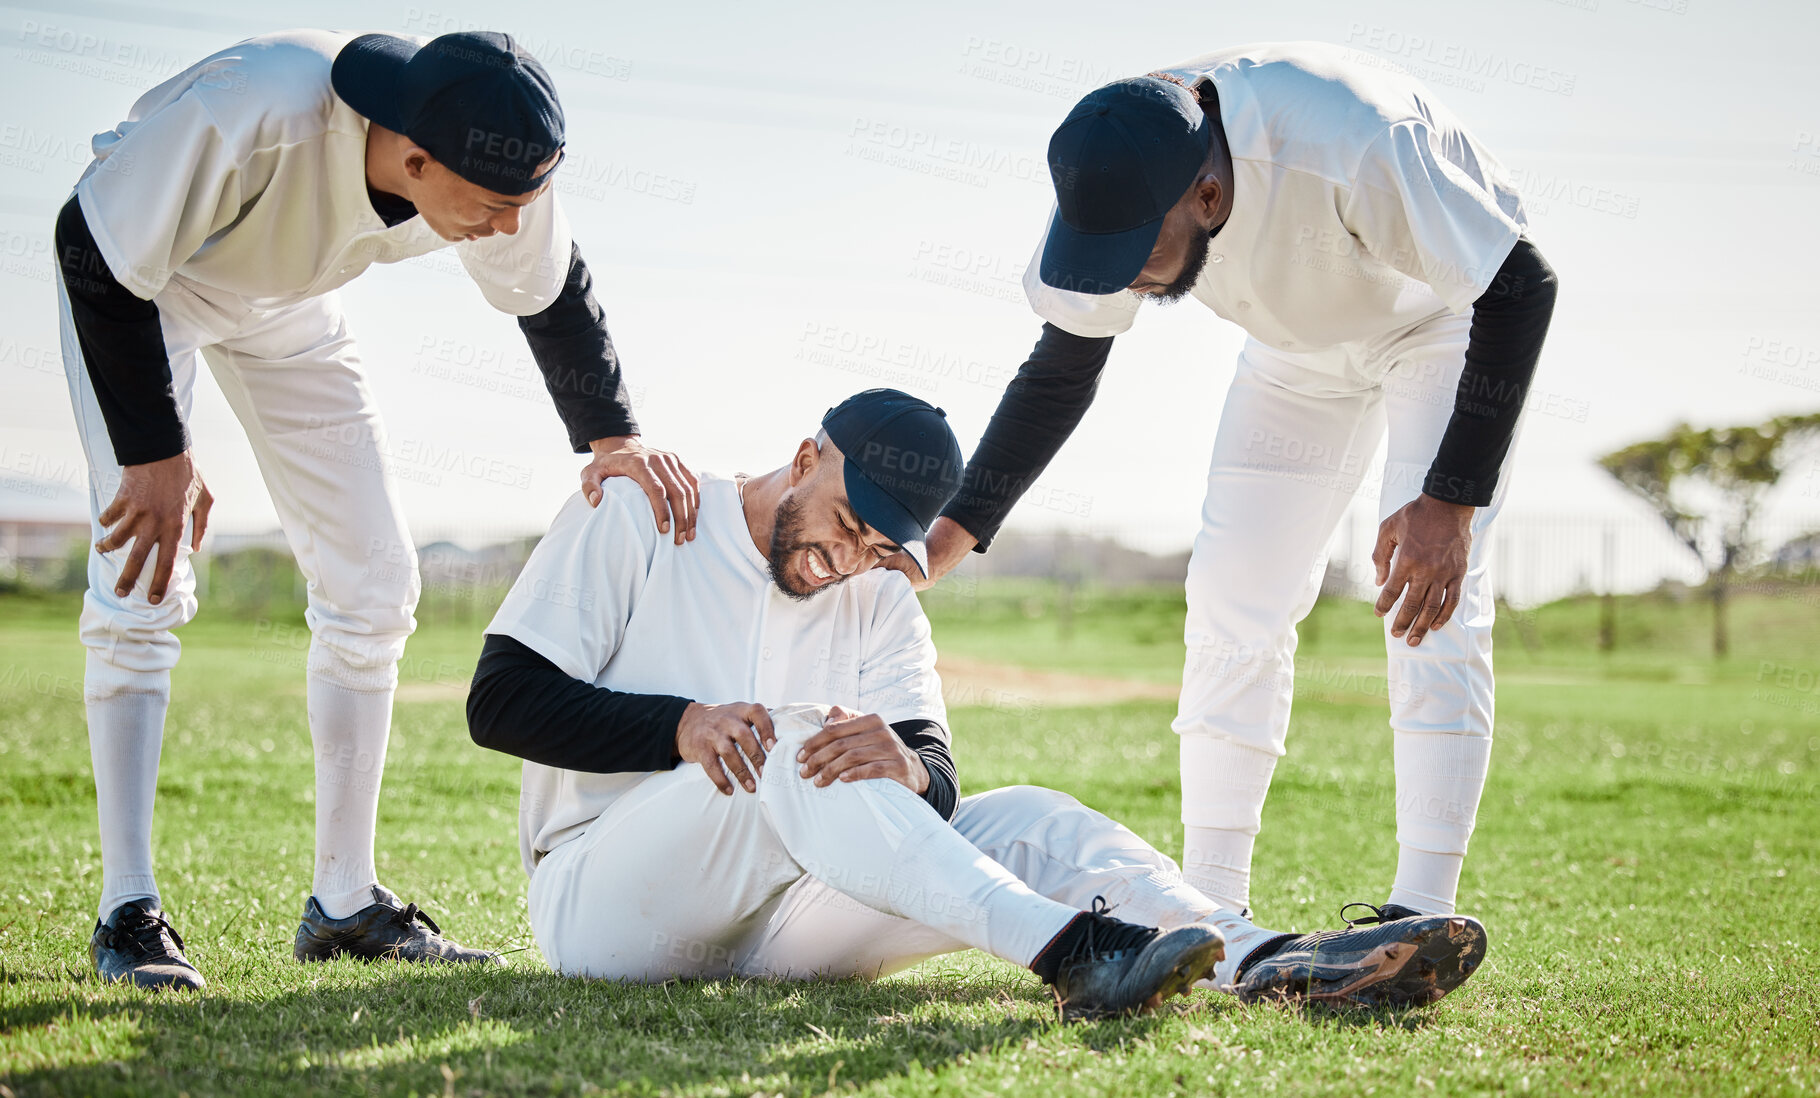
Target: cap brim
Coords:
[(878, 510), (1096, 263), (365, 75)]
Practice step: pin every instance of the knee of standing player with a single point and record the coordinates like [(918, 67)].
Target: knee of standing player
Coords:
[(358, 658)]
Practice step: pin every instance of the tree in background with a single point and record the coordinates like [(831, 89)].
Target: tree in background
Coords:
[(1708, 486)]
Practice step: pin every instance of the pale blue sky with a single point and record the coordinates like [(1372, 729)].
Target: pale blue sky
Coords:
[(776, 201)]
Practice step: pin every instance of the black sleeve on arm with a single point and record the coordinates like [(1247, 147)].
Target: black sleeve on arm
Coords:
[(122, 345), (524, 705), (1509, 323), (1041, 407), (930, 742), (573, 351)]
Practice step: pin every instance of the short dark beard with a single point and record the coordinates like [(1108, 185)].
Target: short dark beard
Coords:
[(1198, 247), (786, 539)]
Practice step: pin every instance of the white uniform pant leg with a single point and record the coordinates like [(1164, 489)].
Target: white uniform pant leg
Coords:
[(676, 877), (294, 378), (1050, 841), (131, 647), (1441, 692), (1292, 447)]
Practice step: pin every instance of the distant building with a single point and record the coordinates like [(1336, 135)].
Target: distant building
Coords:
[(43, 524)]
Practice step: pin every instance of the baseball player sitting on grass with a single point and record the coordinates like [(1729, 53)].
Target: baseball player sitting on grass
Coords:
[(737, 762), (215, 224)]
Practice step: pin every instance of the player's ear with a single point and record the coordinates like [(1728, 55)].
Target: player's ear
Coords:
[(417, 162), (1207, 194), (808, 456)]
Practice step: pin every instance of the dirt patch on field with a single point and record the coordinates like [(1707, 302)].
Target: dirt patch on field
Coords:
[(976, 682), (964, 682)]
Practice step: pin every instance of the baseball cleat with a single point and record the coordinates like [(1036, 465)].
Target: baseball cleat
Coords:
[(1116, 968), (1394, 957), (138, 946), (386, 930)]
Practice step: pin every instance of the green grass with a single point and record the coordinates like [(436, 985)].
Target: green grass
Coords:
[(1647, 861)]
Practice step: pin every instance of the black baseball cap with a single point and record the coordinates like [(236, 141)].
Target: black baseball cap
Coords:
[(476, 101), (1124, 155), (903, 464)]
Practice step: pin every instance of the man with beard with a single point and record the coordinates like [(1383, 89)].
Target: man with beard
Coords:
[(1374, 252), (737, 759)]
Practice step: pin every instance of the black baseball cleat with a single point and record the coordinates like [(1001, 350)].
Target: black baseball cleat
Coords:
[(386, 930), (137, 945), (1100, 967), (1394, 957)]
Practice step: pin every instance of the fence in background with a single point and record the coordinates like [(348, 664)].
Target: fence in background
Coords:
[(1537, 558)]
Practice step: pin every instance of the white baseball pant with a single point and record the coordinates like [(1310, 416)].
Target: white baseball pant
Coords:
[(678, 880), (294, 379), (1295, 442)]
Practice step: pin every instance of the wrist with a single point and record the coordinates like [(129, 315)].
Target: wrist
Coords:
[(1442, 506), (690, 713), (611, 444)]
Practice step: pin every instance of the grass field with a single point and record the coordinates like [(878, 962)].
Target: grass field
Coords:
[(1647, 861)]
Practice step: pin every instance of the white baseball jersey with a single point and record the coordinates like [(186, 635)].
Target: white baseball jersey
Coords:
[(1360, 207), (245, 174), (611, 601)]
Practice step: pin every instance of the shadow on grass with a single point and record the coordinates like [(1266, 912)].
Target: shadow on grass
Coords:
[(441, 1031)]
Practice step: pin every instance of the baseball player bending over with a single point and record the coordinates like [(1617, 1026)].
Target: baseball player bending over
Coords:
[(214, 225), (1377, 256), (681, 818)]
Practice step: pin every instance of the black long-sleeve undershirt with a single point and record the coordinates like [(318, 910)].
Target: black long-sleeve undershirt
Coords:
[(1052, 391), (122, 342), (1041, 407), (1509, 323), (580, 368), (524, 705)]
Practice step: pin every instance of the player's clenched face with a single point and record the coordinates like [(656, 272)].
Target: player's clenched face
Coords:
[(816, 538), (459, 210)]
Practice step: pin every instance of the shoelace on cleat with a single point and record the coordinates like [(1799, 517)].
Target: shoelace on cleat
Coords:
[(410, 914), (148, 937), (1377, 914), (1100, 941)]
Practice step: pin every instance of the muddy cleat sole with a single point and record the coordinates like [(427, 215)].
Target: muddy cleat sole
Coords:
[(1408, 961), (388, 929), (1115, 968), (137, 945)]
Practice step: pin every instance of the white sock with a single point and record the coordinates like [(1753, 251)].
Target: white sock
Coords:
[(1217, 864), (349, 729), (1440, 776), (1242, 936), (125, 736), (1223, 789)]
